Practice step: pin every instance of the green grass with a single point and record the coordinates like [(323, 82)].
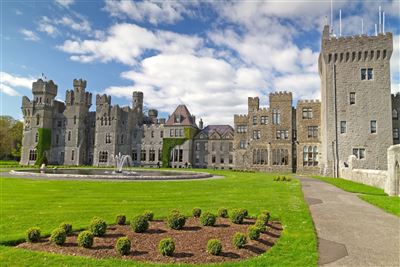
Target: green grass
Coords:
[(372, 195), (45, 203)]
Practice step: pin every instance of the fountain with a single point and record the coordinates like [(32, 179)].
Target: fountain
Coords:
[(120, 160)]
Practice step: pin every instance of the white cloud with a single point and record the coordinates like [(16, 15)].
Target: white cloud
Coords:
[(117, 47), (46, 27), (78, 24), (65, 3), (151, 11), (8, 82), (18, 12), (29, 35)]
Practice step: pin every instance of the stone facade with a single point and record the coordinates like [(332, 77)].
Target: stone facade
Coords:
[(396, 118)]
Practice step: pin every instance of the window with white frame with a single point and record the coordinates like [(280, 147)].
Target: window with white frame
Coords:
[(373, 127), (310, 156), (242, 144), (359, 153), (264, 120), (256, 134), (307, 113), (312, 131), (241, 129), (343, 127), (282, 134), (396, 133), (276, 116)]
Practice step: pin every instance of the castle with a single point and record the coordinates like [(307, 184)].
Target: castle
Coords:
[(316, 137)]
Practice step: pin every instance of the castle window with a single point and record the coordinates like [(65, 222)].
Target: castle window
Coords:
[(36, 137), (312, 131), (241, 129), (178, 118), (176, 132), (230, 159), (103, 156), (69, 136), (264, 120), (329, 58), (37, 119), (57, 139), (254, 120), (74, 119), (352, 98), (307, 113), (370, 74), (276, 116), (205, 146), (353, 56), (359, 153), (280, 157), (343, 127), (396, 133), (40, 99), (365, 55), (101, 119), (152, 155), (336, 57), (359, 56), (72, 154), (310, 155), (197, 146), (205, 161), (161, 134), (384, 54), (122, 139), (59, 124), (242, 144), (32, 154), (143, 155), (256, 134), (222, 160), (171, 132), (197, 158), (282, 134), (108, 138), (378, 54), (347, 56), (372, 55), (395, 114), (134, 155), (180, 132), (152, 134), (159, 154), (109, 120), (341, 57), (213, 159), (373, 127)]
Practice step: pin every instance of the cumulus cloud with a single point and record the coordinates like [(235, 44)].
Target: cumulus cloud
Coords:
[(9, 82), (29, 35), (65, 3), (77, 23)]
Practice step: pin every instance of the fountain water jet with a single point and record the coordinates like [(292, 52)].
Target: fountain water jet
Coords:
[(120, 160)]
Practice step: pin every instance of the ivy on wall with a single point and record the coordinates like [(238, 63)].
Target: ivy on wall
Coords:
[(44, 144), (190, 132), (168, 145)]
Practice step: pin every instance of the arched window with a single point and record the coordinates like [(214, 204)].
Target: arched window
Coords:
[(395, 114), (75, 119), (254, 156), (37, 119), (315, 156)]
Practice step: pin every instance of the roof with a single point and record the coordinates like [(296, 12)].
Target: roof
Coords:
[(186, 119), (221, 130)]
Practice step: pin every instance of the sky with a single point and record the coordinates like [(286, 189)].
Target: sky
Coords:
[(208, 55)]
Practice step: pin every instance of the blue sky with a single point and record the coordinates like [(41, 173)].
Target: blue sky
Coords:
[(208, 55)]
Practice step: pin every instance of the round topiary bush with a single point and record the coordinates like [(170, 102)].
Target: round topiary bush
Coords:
[(214, 246), (253, 232), (223, 213), (139, 223), (67, 228), (260, 225), (120, 219), (196, 212), (176, 220), (58, 236), (208, 219), (244, 212), (236, 216), (239, 240), (264, 216), (85, 239), (33, 234), (149, 215), (98, 226), (166, 247), (123, 246)]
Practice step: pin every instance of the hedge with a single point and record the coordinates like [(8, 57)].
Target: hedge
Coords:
[(43, 144)]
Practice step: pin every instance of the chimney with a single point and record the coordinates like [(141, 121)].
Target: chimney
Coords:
[(201, 124)]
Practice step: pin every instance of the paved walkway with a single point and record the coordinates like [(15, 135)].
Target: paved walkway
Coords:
[(351, 232)]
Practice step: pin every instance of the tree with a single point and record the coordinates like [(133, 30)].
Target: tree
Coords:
[(10, 137)]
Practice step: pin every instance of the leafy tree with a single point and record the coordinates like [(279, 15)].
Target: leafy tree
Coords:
[(10, 138)]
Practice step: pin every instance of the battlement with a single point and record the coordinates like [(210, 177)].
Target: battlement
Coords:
[(253, 103), (308, 101), (240, 119), (103, 99), (396, 96), (137, 94), (79, 83), (41, 87), (280, 96)]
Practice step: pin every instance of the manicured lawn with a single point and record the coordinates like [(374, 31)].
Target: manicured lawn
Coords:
[(372, 195), (25, 203)]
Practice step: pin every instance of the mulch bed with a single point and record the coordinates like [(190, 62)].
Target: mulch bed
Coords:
[(190, 242)]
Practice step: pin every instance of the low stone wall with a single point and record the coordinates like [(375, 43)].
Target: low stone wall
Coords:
[(387, 180)]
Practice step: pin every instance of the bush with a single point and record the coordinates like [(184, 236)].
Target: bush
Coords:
[(223, 213), (253, 232), (214, 246), (208, 219), (264, 216), (123, 246), (120, 219), (196, 212), (58, 236), (239, 240), (85, 239), (166, 247), (139, 223), (149, 215), (67, 228), (33, 234), (244, 212), (98, 226), (260, 225), (176, 220), (236, 216)]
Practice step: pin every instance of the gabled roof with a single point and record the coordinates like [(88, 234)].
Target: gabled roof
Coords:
[(221, 130), (186, 119)]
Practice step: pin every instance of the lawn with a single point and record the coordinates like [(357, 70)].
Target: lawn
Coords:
[(44, 203), (372, 195)]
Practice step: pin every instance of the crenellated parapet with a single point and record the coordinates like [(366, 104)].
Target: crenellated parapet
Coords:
[(240, 119), (103, 100), (42, 87), (253, 103), (79, 84), (280, 96)]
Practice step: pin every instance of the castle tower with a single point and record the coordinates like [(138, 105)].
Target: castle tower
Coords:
[(355, 106), (38, 114), (78, 102), (253, 104)]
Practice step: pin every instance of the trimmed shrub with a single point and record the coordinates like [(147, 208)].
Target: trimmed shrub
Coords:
[(120, 219), (67, 228), (260, 225), (264, 216), (149, 215), (123, 246), (214, 246), (85, 239), (208, 219), (236, 216), (196, 212), (244, 212), (253, 232), (176, 220), (239, 240), (33, 234), (139, 223), (166, 247), (98, 226), (58, 236), (223, 213)]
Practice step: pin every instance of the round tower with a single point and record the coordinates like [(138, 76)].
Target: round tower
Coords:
[(137, 101)]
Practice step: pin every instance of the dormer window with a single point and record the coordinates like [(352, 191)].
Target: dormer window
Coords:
[(178, 118)]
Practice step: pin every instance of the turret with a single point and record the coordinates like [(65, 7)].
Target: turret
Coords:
[(153, 114), (137, 101), (201, 124), (44, 92), (253, 103)]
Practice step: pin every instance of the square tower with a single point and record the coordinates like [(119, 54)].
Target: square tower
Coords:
[(355, 106)]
